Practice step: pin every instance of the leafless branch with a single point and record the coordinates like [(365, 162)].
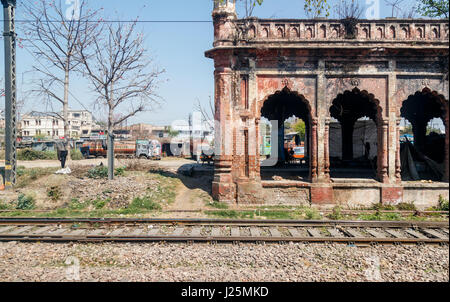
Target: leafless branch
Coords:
[(349, 9), (54, 40), (120, 72)]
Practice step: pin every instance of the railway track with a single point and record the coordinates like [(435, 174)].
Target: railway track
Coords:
[(221, 230)]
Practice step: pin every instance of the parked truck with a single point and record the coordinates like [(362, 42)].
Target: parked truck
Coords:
[(131, 149)]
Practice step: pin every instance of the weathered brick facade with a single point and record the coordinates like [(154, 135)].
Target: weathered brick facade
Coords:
[(319, 61)]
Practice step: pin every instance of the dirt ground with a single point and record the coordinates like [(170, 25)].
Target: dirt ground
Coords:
[(159, 181)]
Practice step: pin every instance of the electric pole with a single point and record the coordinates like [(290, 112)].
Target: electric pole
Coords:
[(9, 35)]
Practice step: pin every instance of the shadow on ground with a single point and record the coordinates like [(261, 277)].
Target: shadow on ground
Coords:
[(193, 176)]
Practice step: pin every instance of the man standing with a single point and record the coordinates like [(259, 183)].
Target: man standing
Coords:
[(61, 150)]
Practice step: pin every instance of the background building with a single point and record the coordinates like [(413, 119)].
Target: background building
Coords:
[(51, 126)]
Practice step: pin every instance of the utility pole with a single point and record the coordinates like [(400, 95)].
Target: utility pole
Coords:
[(9, 35)]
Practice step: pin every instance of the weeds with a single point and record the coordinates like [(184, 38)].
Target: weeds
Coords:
[(443, 203), (405, 206), (312, 214), (100, 203), (27, 176), (145, 203), (4, 205), (76, 204), (218, 205), (336, 214), (75, 154), (25, 202), (102, 172), (54, 193), (30, 154)]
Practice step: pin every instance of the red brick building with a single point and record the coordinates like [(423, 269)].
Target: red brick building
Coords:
[(319, 70)]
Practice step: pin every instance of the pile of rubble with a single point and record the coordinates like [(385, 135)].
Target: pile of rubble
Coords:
[(120, 191)]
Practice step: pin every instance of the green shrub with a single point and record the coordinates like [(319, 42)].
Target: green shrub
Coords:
[(145, 203), (20, 171), (76, 204), (25, 202), (312, 214), (100, 203), (405, 206), (54, 193), (383, 207), (102, 172), (75, 154), (30, 154), (119, 171), (4, 205), (443, 203), (336, 214)]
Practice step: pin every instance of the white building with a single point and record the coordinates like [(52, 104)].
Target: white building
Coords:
[(51, 126)]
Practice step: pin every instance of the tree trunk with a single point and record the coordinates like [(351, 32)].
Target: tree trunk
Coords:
[(66, 114), (110, 144)]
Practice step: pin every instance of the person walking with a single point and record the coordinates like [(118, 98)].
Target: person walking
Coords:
[(61, 150)]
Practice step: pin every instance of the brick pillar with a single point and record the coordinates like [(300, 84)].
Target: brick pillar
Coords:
[(223, 187), (383, 169), (313, 160), (398, 162), (327, 150)]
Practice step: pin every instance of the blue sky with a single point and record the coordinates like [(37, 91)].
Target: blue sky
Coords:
[(176, 47)]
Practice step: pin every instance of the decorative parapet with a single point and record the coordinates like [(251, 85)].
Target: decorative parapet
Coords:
[(391, 30)]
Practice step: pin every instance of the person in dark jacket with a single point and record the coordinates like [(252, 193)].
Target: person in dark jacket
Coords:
[(61, 150)]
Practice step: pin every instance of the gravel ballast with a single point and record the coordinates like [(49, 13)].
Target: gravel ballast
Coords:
[(221, 262)]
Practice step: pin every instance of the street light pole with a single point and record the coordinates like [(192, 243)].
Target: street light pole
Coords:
[(9, 35)]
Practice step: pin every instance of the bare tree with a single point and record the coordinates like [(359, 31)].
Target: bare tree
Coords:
[(249, 6), (395, 6), (409, 13), (121, 74), (349, 9), (207, 113), (53, 35)]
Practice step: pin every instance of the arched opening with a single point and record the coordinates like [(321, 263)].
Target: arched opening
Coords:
[(423, 132), (285, 136), (354, 135)]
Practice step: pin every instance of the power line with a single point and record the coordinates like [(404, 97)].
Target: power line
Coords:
[(119, 21)]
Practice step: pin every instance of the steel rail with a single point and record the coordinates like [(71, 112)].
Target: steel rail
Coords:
[(222, 239), (220, 230), (202, 221)]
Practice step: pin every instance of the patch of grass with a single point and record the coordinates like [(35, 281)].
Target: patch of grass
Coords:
[(98, 172), (382, 207), (76, 204), (4, 205), (312, 214), (405, 206), (54, 193), (275, 214), (218, 205), (145, 203), (100, 203), (25, 202), (336, 214), (380, 216), (27, 176), (119, 171), (30, 155), (443, 203), (102, 172)]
